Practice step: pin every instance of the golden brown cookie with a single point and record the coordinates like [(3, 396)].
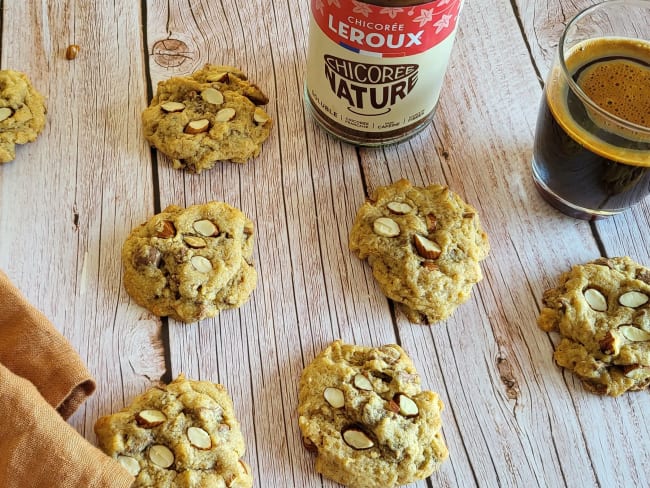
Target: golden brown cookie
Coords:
[(183, 435), (364, 414), (424, 246), (191, 263), (602, 311), (213, 115), (22, 113)]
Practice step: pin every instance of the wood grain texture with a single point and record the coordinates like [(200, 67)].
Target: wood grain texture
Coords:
[(512, 417), (69, 199)]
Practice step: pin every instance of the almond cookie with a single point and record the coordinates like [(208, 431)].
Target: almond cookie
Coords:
[(364, 414), (183, 435), (602, 311), (424, 246), (191, 263), (22, 113), (212, 115)]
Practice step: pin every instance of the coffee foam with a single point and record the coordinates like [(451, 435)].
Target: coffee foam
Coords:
[(620, 87)]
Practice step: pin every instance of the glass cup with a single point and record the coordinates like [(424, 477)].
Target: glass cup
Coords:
[(591, 157)]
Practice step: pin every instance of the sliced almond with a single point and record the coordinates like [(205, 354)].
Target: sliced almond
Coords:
[(130, 464), (150, 418), (634, 334), (399, 208), (201, 264), (217, 77), (199, 438), (357, 439), (610, 344), (468, 215), (260, 116), (426, 247), (393, 407), (363, 383), (212, 95), (194, 242), (205, 227), (172, 107), (633, 299), (432, 223), (165, 229), (161, 456), (385, 227), (197, 126), (595, 299), (636, 371), (334, 397), (225, 114), (5, 113), (407, 406)]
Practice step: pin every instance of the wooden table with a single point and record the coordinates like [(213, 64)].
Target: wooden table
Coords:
[(69, 200)]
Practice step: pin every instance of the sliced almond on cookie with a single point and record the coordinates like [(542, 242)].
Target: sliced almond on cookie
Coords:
[(385, 227), (399, 208), (205, 227), (218, 77), (130, 464), (225, 114), (199, 438), (426, 248), (260, 117), (407, 407), (357, 439), (161, 456), (633, 299), (194, 242), (172, 107), (212, 95), (201, 264), (595, 299), (197, 126), (334, 397), (363, 383), (5, 113), (634, 334), (150, 418)]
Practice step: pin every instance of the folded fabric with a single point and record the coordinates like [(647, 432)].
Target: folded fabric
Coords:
[(42, 382)]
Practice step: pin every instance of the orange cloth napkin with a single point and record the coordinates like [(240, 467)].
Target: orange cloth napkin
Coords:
[(42, 382)]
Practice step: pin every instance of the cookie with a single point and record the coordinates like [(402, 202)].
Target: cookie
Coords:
[(212, 115), (183, 435), (364, 414), (602, 311), (191, 263), (22, 113), (424, 246)]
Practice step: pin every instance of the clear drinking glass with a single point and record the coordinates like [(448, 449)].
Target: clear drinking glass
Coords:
[(591, 156)]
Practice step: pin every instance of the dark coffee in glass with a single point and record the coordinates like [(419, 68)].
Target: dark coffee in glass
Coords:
[(591, 156)]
